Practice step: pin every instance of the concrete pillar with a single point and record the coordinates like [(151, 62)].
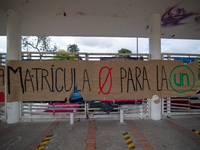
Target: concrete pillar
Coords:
[(156, 108), (13, 53), (155, 36), (155, 52)]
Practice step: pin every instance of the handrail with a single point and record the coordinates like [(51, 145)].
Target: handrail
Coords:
[(2, 59)]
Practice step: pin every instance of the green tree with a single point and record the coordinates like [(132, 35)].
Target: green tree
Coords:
[(124, 50), (39, 43), (73, 48), (64, 56)]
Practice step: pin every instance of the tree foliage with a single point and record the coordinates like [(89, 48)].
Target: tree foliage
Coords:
[(124, 50), (73, 48), (64, 56), (39, 43)]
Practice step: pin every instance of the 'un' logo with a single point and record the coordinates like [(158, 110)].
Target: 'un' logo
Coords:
[(182, 82)]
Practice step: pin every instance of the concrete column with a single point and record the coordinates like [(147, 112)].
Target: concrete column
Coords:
[(13, 53), (156, 108), (155, 52), (155, 36)]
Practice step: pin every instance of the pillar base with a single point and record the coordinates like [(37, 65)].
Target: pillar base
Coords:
[(155, 108), (13, 115)]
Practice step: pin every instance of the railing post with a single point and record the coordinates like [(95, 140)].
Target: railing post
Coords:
[(168, 57), (189, 106), (162, 105), (86, 56), (53, 108), (121, 115), (141, 111), (87, 110), (168, 107), (30, 112), (72, 118), (28, 55), (149, 106), (20, 113), (74, 109), (2, 112), (1, 56)]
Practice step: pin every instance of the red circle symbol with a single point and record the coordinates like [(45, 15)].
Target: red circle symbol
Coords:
[(101, 87)]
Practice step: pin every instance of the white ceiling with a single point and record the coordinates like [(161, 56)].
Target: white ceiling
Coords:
[(111, 18)]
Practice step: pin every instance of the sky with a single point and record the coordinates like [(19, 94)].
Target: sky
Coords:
[(113, 44)]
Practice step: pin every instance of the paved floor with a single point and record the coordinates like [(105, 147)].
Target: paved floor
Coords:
[(173, 133)]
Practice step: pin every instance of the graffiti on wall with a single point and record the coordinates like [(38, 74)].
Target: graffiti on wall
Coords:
[(174, 16)]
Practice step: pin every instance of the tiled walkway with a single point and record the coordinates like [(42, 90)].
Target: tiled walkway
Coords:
[(143, 142), (103, 134), (90, 142)]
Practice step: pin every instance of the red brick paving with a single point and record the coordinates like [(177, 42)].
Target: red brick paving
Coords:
[(189, 134), (36, 143), (12, 127), (143, 142), (90, 142)]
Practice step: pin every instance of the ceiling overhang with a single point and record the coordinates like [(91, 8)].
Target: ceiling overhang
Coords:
[(108, 18)]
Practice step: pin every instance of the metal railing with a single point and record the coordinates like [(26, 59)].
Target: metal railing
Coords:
[(83, 56), (96, 112), (90, 56), (180, 106), (2, 59), (136, 111), (170, 56), (45, 110), (63, 110), (2, 113)]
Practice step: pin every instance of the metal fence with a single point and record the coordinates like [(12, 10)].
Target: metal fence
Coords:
[(170, 56), (2, 59), (63, 110), (83, 56), (52, 110), (180, 106), (2, 113)]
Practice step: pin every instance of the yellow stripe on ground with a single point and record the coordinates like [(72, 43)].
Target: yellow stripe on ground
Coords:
[(128, 140), (125, 136), (47, 138), (39, 148), (197, 132), (130, 145), (44, 143)]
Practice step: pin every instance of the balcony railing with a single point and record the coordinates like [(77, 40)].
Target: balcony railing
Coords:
[(83, 56)]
